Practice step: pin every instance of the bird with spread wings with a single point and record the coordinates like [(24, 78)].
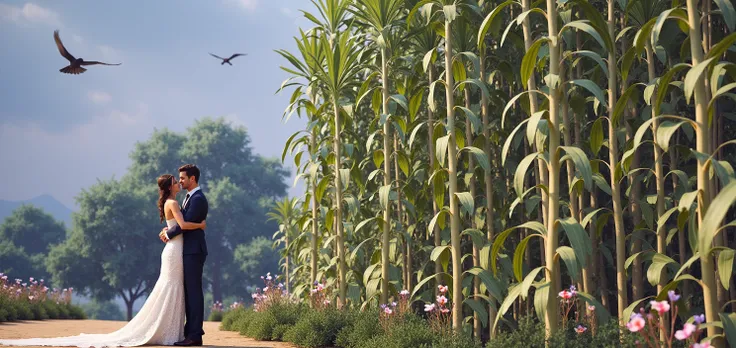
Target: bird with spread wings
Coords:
[(227, 60), (75, 64)]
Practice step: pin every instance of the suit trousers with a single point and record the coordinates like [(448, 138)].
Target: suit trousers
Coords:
[(194, 303)]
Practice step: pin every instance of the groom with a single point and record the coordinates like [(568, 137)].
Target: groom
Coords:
[(194, 209)]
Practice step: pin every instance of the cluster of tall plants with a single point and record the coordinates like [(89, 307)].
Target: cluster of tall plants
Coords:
[(510, 147)]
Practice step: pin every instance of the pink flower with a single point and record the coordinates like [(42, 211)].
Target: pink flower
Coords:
[(591, 308), (30, 279), (580, 329), (314, 291), (31, 298), (388, 310), (442, 300), (326, 302), (702, 345), (320, 287), (255, 296), (429, 307), (661, 307), (445, 310), (404, 293), (636, 323), (565, 294), (686, 331), (442, 288)]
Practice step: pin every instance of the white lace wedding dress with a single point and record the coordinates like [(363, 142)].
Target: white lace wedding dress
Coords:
[(159, 322)]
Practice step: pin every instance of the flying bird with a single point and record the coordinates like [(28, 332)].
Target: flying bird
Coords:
[(75, 64), (227, 60)]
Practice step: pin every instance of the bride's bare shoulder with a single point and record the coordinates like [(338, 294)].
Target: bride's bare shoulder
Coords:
[(171, 203)]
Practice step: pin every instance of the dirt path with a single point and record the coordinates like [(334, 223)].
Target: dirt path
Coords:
[(55, 328)]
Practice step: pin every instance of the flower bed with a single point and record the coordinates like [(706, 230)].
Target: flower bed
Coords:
[(277, 317), (33, 300)]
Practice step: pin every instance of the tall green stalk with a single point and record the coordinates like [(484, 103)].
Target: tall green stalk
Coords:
[(386, 234), (552, 241), (703, 134), (457, 270)]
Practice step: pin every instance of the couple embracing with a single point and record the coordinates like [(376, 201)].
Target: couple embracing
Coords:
[(177, 295)]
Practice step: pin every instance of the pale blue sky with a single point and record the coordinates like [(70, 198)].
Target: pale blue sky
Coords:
[(59, 132)]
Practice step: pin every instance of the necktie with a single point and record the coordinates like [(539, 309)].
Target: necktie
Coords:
[(186, 200)]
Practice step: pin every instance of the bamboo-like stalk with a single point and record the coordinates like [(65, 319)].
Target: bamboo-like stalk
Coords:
[(621, 286), (340, 237), (708, 282), (432, 159), (472, 189), (490, 232), (542, 170), (400, 217), (457, 269), (658, 168), (552, 241), (315, 221), (386, 234)]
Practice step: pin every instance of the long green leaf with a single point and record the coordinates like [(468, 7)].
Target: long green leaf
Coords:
[(466, 201), (729, 327), (568, 256), (592, 88), (582, 164), (725, 266), (521, 171), (529, 61), (579, 239), (713, 217), (692, 77)]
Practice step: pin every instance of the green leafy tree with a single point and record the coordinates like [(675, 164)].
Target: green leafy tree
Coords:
[(112, 249), (32, 229)]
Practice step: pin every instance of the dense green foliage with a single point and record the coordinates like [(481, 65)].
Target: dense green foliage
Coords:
[(510, 149)]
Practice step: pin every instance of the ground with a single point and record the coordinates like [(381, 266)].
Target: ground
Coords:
[(55, 328)]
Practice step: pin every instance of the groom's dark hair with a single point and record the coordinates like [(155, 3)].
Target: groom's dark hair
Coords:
[(191, 170)]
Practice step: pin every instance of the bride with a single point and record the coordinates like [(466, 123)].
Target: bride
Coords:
[(161, 319)]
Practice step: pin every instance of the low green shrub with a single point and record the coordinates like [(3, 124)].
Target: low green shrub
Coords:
[(364, 327), (229, 318), (215, 316), (530, 333), (410, 332), (261, 325), (317, 328)]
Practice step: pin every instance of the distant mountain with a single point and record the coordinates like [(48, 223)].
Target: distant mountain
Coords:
[(46, 202)]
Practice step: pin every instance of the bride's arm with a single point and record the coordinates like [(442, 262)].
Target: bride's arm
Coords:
[(185, 225)]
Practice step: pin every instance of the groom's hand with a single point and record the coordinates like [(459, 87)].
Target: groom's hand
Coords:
[(163, 236)]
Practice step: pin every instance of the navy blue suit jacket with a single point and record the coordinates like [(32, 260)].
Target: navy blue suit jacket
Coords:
[(194, 211)]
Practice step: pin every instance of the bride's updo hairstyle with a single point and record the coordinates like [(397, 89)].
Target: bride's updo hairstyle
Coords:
[(164, 191)]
